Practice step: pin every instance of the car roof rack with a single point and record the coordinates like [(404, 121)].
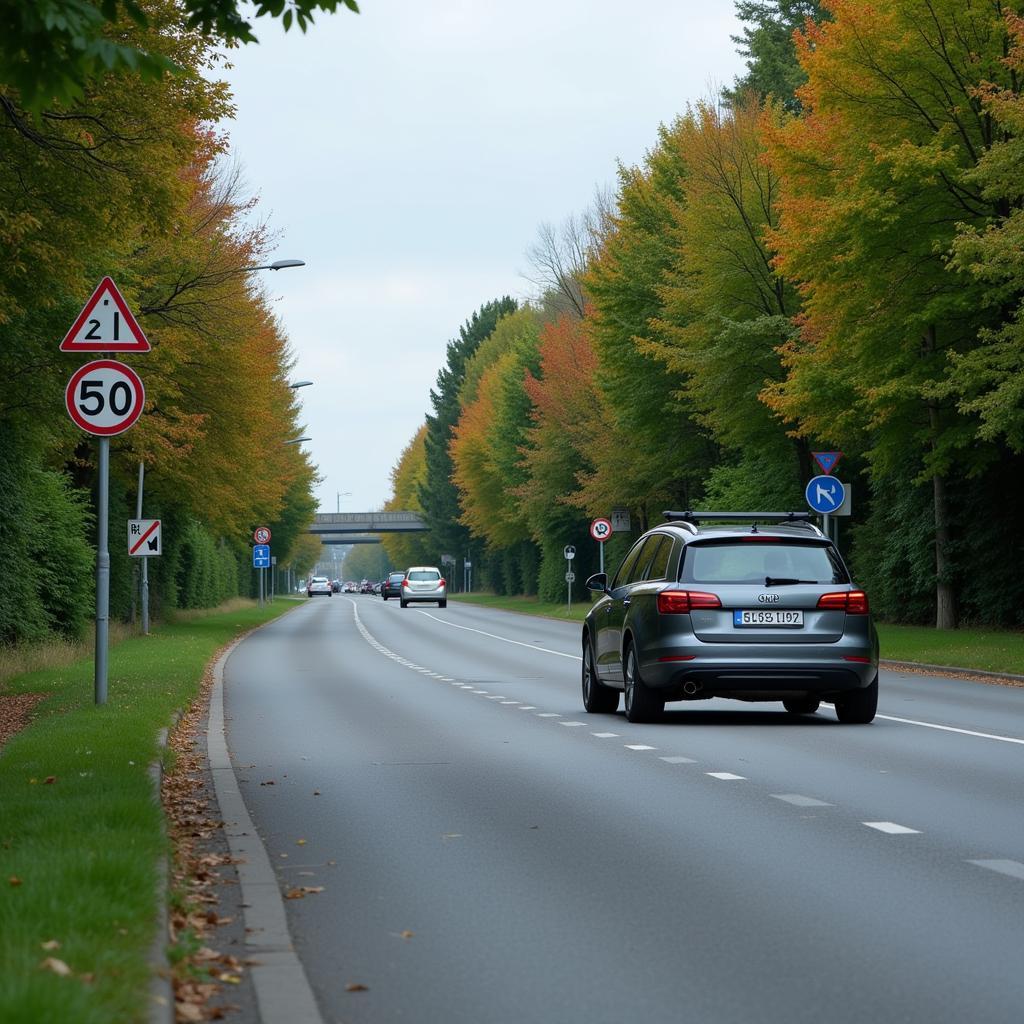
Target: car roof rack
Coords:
[(787, 518)]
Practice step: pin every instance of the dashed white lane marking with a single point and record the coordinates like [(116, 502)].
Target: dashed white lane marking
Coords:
[(510, 702), (549, 714), (604, 735), (572, 725), (479, 691), (890, 828), (527, 707), (799, 801), (726, 776), (499, 696), (638, 746), (677, 760), (1013, 868), (465, 686), (504, 639)]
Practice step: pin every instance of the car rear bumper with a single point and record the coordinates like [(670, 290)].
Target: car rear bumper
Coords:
[(421, 595), (761, 675)]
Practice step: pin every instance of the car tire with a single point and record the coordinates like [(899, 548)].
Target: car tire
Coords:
[(403, 603), (858, 707), (801, 705), (598, 699), (385, 596), (642, 704), (442, 604)]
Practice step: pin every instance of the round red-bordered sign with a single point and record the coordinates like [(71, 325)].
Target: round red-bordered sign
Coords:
[(601, 530), (261, 535), (104, 397)]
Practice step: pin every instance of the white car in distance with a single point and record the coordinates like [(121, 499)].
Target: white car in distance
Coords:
[(318, 585), (424, 583)]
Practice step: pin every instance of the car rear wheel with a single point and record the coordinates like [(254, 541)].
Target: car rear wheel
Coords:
[(642, 704), (859, 706), (801, 705), (403, 602), (598, 699), (442, 604)]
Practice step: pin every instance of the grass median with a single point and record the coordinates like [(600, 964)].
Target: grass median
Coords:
[(991, 650), (81, 830)]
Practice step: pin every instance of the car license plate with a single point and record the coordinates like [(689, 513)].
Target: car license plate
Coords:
[(768, 617)]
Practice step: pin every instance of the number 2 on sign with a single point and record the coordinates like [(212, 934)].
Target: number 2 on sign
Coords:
[(94, 326)]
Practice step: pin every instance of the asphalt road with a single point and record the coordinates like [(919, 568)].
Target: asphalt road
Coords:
[(491, 853)]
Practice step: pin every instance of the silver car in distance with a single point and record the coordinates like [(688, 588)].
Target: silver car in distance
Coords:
[(423, 583), (751, 606)]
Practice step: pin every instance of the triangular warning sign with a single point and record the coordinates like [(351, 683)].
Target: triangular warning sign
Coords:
[(105, 324), (827, 460)]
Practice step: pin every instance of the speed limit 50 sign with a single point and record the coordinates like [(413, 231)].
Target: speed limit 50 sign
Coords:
[(104, 397)]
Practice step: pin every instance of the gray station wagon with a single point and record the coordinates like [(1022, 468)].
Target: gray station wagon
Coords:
[(751, 606)]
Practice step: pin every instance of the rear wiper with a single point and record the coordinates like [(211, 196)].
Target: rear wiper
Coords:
[(775, 581)]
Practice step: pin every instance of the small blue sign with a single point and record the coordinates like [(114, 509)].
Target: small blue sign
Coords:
[(827, 460), (825, 494), (261, 556)]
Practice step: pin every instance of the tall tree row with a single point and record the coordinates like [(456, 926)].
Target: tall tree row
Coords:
[(827, 256), (132, 179)]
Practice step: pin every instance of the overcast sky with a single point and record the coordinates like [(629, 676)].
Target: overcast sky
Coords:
[(408, 155)]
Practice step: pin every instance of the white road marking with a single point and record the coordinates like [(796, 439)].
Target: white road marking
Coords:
[(527, 707), (505, 639), (466, 686), (571, 725), (500, 696), (446, 679), (951, 728), (638, 746), (677, 760), (800, 801), (549, 714), (1013, 868), (479, 691), (890, 828), (510, 702), (726, 776), (604, 735)]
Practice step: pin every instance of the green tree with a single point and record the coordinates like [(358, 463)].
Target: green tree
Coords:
[(438, 493), (766, 41), (51, 49)]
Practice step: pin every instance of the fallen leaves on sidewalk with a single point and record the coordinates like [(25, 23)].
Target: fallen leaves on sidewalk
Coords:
[(201, 971)]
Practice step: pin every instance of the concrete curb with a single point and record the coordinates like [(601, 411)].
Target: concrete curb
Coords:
[(161, 989), (283, 992), (919, 666)]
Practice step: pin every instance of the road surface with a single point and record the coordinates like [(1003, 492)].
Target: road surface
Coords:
[(491, 853)]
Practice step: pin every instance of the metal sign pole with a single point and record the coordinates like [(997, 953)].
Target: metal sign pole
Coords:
[(259, 573), (144, 585), (600, 547), (102, 574), (568, 583)]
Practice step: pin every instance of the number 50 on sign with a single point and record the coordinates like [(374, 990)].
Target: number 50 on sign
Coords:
[(104, 397)]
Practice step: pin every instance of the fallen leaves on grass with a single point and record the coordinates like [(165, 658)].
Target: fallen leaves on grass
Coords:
[(51, 963), (16, 712), (14, 881), (50, 945), (49, 780)]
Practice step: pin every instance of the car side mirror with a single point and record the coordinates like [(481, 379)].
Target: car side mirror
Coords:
[(599, 581)]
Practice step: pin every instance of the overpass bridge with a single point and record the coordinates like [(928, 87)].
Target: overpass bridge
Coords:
[(363, 527)]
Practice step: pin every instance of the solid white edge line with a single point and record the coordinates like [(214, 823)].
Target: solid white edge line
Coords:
[(1013, 868), (727, 776), (504, 639)]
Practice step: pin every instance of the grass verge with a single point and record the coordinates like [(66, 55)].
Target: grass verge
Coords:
[(81, 829), (991, 650), (528, 606)]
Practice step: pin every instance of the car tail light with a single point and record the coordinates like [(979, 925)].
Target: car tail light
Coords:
[(679, 602), (853, 602), (440, 583), (405, 582)]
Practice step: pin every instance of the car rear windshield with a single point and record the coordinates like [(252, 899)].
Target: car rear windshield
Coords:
[(423, 574), (396, 576), (756, 562), (319, 579)]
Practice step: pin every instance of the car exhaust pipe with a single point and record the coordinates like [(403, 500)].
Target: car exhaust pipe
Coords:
[(691, 688)]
